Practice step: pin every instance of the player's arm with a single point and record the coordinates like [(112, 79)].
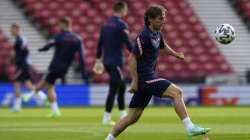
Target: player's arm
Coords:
[(82, 64), (49, 44), (99, 46), (136, 53), (127, 40), (98, 67), (133, 71), (166, 49)]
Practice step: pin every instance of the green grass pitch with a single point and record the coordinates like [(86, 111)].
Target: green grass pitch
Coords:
[(157, 123)]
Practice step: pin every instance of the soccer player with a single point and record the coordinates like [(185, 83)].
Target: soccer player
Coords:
[(66, 44), (23, 67), (144, 82), (113, 36)]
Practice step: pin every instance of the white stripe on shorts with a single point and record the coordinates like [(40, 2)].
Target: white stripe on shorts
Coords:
[(154, 80)]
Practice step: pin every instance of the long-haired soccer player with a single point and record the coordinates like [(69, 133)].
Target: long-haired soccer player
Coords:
[(144, 82)]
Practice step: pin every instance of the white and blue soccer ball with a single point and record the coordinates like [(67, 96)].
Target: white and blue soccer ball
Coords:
[(224, 33)]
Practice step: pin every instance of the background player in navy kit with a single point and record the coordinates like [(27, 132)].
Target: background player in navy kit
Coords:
[(23, 68), (66, 44), (113, 36), (144, 82)]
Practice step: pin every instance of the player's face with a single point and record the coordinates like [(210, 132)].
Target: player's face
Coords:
[(64, 27), (125, 11), (14, 31), (61, 25), (158, 22)]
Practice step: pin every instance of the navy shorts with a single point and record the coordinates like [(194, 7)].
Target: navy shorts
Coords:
[(146, 90), (23, 75), (52, 76)]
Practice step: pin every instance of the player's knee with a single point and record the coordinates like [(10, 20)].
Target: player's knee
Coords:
[(115, 82), (178, 93), (115, 79), (122, 85), (132, 120)]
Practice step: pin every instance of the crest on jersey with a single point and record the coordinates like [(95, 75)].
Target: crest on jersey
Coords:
[(155, 39), (156, 42)]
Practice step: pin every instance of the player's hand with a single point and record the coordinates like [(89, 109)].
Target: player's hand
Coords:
[(98, 67), (180, 56), (41, 49), (133, 87)]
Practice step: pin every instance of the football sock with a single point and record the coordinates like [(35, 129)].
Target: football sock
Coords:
[(123, 113), (30, 94), (42, 95), (110, 137), (188, 123), (54, 107), (106, 116), (18, 103)]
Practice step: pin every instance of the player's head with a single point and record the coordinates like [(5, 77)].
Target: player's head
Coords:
[(15, 29), (120, 8), (65, 24), (154, 17)]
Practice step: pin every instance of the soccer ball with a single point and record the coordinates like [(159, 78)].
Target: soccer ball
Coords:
[(224, 33)]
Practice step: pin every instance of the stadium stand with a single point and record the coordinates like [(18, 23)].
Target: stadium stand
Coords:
[(243, 6), (212, 13), (184, 32), (6, 68)]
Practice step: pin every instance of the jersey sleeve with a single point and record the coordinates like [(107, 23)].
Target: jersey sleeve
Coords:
[(162, 42), (123, 26), (125, 36), (139, 43), (81, 52), (99, 45), (49, 44)]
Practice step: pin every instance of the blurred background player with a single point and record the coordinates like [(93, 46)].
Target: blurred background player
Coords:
[(66, 44), (144, 82), (23, 68), (113, 36)]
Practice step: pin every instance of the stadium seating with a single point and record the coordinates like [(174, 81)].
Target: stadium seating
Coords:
[(243, 6), (6, 68), (183, 31)]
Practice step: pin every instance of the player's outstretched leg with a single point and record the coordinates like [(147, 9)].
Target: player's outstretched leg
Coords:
[(175, 94), (40, 95), (18, 100), (132, 117), (27, 96), (55, 112)]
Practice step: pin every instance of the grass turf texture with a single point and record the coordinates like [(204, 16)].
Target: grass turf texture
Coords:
[(157, 123)]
